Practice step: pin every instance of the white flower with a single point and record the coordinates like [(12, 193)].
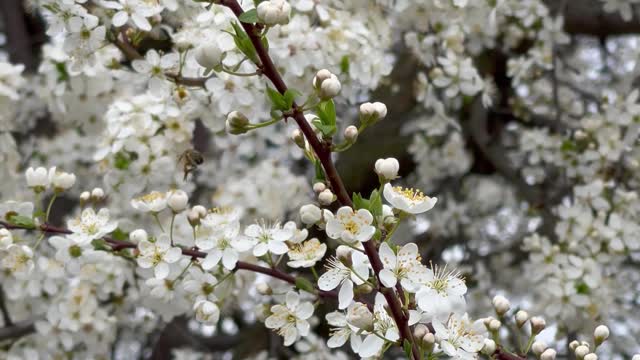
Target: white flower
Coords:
[(221, 243), (442, 291), (459, 337), (306, 254), (408, 200), (155, 67), (387, 168), (290, 319), (61, 180), (68, 252), (310, 214), (6, 239), (384, 325), (18, 260), (341, 330), (158, 255), (272, 12), (397, 268), (350, 226), (209, 55), (201, 284), (37, 179), (268, 239), (90, 226), (177, 200), (153, 202), (207, 312), (339, 274), (137, 10), (359, 316)]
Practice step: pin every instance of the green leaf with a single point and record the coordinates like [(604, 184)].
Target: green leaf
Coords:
[(319, 172), (99, 244), (290, 96), (359, 202), (304, 284), (122, 160), (120, 235), (278, 101), (22, 221), (250, 16), (344, 64), (375, 204), (244, 44), (327, 113), (326, 130), (406, 345), (568, 146)]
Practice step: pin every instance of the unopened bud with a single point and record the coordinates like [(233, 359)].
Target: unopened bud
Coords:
[(548, 354), (501, 305), (360, 316), (319, 187), (351, 134), (429, 340), (521, 318), (537, 324), (370, 113), (310, 214), (573, 345), (581, 351), (494, 325), (538, 347), (85, 196), (138, 236), (321, 76), (97, 194), (326, 197), (194, 217), (387, 168), (489, 347), (177, 200), (201, 210), (420, 331), (330, 88), (601, 334), (591, 356), (298, 138), (237, 123), (209, 55), (263, 289)]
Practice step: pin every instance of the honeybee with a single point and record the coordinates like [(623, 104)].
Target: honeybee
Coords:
[(190, 160)]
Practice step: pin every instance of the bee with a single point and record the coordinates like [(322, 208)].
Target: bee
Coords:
[(190, 160)]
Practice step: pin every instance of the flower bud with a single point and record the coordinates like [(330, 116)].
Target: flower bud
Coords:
[(537, 324), (420, 331), (206, 312), (97, 194), (601, 334), (538, 347), (85, 196), (138, 235), (310, 214), (61, 180), (326, 197), (263, 289), (321, 76), (359, 316), (573, 345), (521, 318), (298, 138), (429, 340), (370, 113), (591, 356), (494, 325), (351, 134), (273, 12), (193, 216), (548, 354), (319, 187), (201, 210), (330, 88), (489, 347), (209, 55), (387, 168), (237, 123), (501, 305), (177, 200), (581, 351), (37, 179)]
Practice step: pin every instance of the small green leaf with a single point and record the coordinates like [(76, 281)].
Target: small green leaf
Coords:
[(243, 43), (359, 202), (326, 130), (250, 16), (568, 146), (120, 235), (375, 204), (304, 284), (327, 113), (22, 221), (99, 244), (406, 345), (319, 172), (278, 101), (290, 96), (344, 64)]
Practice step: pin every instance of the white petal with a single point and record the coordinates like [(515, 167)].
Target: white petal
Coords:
[(387, 278), (345, 296)]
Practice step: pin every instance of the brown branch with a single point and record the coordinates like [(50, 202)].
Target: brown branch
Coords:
[(323, 152), (501, 354), (17, 330), (18, 38)]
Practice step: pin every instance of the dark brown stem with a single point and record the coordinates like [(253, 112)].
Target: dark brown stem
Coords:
[(500, 354), (323, 152)]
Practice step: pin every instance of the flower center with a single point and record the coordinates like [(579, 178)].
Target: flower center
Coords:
[(352, 227), (411, 194)]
